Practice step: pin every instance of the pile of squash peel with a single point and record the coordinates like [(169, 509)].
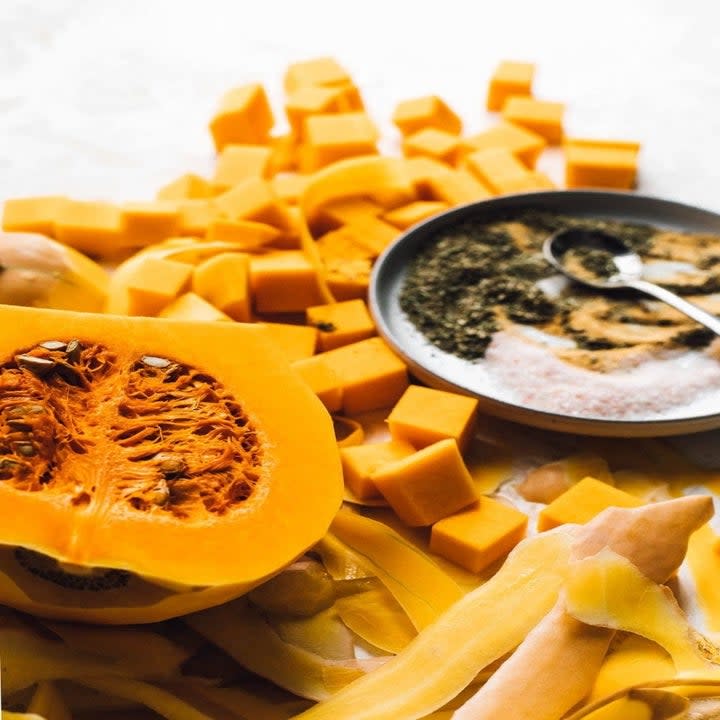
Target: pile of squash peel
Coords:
[(577, 622)]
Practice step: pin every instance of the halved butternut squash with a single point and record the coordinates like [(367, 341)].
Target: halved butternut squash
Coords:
[(151, 468)]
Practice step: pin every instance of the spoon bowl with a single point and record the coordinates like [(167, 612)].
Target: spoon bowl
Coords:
[(628, 267)]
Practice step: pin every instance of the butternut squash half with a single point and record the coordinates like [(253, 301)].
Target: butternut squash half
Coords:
[(151, 468)]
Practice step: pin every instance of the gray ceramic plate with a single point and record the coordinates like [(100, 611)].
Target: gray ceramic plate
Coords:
[(439, 369)]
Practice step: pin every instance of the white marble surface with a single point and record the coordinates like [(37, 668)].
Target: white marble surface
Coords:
[(110, 98)]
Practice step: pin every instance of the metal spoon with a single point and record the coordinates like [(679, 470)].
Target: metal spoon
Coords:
[(629, 268)]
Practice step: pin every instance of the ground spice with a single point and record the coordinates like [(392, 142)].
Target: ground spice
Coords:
[(471, 279)]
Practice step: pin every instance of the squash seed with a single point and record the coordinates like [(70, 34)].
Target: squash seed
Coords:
[(36, 365), (156, 362), (171, 464), (69, 374), (9, 464), (73, 350), (53, 345), (25, 449)]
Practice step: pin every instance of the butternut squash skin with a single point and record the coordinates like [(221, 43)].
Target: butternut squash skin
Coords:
[(186, 456)]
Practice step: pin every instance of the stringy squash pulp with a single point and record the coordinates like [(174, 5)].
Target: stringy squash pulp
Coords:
[(152, 468)]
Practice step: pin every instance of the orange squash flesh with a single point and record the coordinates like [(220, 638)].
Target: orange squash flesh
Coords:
[(237, 427)]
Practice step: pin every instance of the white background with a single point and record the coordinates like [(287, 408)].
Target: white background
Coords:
[(110, 99)]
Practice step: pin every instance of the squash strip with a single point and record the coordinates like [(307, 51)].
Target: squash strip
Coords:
[(375, 616), (242, 632), (324, 634), (161, 701), (419, 585), (446, 656), (253, 705), (608, 591), (561, 640)]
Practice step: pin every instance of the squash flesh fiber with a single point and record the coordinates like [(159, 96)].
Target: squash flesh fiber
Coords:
[(100, 508)]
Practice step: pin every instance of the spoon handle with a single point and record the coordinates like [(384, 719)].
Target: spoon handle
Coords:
[(705, 318)]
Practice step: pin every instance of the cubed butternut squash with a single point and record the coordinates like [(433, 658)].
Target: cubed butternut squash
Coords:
[(289, 186), (237, 163), (433, 143), (408, 215), (325, 72), (296, 342), (348, 279), (498, 168), (582, 502), (224, 281), (187, 187), (372, 375), (423, 416), (601, 163), (322, 379), (283, 281), (346, 210), (32, 214), (429, 111), (361, 461), (254, 199), (92, 227), (340, 323), (283, 154), (329, 138), (509, 78), (311, 100), (457, 187), (154, 283), (195, 216), (191, 306), (244, 117), (540, 116), (524, 143), (479, 536), (428, 485), (148, 223)]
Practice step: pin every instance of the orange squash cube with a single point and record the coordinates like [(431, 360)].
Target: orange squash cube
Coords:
[(237, 163), (428, 485), (311, 100), (195, 215), (340, 323), (510, 78), (32, 214), (498, 168), (582, 502), (186, 187), (224, 281), (348, 279), (244, 117), (524, 143), (297, 342), (361, 461), (601, 163), (423, 416), (283, 154), (344, 211), (91, 227), (191, 306), (456, 187), (429, 111), (283, 281), (154, 283), (329, 138), (479, 536), (540, 116), (372, 375), (408, 215), (322, 379), (255, 200), (289, 186), (324, 72), (433, 143), (148, 223)]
